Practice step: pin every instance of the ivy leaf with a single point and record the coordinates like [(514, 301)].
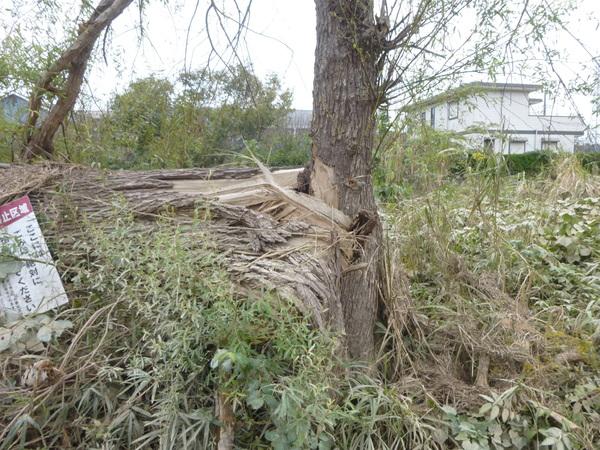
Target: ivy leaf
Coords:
[(565, 241), (517, 440), (255, 400), (440, 435), (8, 268), (449, 410), (59, 326), (44, 334)]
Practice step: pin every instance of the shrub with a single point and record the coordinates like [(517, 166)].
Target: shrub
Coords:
[(530, 163), (281, 150), (417, 161), (590, 161)]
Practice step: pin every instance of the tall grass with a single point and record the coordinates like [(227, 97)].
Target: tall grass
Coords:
[(489, 338), (503, 276), (158, 331)]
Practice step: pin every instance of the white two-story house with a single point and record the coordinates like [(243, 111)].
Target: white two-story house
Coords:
[(499, 116)]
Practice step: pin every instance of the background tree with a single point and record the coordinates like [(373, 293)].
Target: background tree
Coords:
[(139, 116), (236, 108), (62, 80), (202, 119)]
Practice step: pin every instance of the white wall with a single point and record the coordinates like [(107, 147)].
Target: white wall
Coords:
[(519, 143), (502, 112)]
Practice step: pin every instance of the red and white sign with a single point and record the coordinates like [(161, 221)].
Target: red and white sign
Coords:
[(31, 282)]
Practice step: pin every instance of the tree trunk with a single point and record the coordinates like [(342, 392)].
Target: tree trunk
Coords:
[(39, 140), (343, 126)]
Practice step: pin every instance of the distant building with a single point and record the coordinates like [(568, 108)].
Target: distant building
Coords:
[(14, 108), (298, 121), (587, 147), (498, 116)]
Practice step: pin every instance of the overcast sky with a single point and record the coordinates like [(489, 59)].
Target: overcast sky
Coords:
[(281, 39)]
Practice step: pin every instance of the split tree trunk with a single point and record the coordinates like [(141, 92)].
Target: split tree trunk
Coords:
[(343, 126), (39, 140)]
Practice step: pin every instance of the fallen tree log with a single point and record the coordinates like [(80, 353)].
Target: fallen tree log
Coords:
[(270, 236)]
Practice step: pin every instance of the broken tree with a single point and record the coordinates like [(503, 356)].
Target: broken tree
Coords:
[(363, 60), (352, 44), (270, 236)]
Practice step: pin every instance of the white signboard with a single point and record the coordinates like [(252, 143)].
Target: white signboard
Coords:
[(29, 281)]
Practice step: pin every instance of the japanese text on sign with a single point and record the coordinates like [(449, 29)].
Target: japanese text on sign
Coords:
[(29, 281)]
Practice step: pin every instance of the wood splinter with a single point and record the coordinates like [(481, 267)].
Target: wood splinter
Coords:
[(224, 414), (483, 369)]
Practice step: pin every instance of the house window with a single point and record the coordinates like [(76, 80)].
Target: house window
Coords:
[(433, 117), (423, 117), (488, 144), (452, 110), (549, 144), (517, 146)]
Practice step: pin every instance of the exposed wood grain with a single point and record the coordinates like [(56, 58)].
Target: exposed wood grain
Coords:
[(269, 236)]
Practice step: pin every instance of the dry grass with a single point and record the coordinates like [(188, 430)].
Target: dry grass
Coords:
[(488, 331)]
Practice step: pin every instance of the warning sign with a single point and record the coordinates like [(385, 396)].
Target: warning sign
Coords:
[(29, 281)]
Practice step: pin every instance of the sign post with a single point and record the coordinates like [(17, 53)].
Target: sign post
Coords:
[(29, 281)]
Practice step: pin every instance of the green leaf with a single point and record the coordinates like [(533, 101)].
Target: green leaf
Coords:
[(517, 440), (44, 334), (451, 411), (549, 441), (565, 241), (255, 400), (325, 443), (227, 365), (440, 435), (495, 412), (8, 268), (567, 442), (5, 338), (485, 408), (59, 326)]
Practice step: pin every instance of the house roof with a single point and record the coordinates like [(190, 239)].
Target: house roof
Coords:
[(473, 88), (514, 87), (16, 96)]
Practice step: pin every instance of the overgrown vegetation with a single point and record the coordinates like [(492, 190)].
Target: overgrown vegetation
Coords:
[(490, 332), (503, 297), (155, 332), (202, 120), (490, 341)]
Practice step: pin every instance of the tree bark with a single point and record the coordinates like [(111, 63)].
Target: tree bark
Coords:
[(39, 140), (343, 127)]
